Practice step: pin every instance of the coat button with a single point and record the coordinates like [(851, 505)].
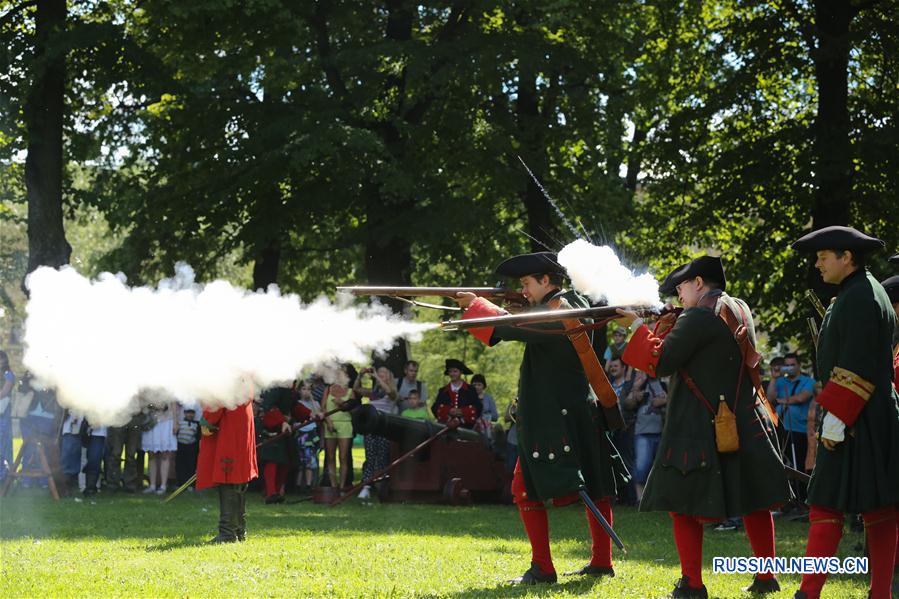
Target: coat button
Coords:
[(552, 456), (536, 454), (564, 412), (702, 464), (566, 449)]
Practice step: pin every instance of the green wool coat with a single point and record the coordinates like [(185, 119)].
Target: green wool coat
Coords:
[(862, 472), (280, 451), (563, 442), (689, 476)]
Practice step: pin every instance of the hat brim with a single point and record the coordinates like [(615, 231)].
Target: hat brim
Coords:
[(530, 264)]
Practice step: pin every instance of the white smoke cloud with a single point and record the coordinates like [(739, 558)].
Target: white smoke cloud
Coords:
[(598, 273), (101, 343)]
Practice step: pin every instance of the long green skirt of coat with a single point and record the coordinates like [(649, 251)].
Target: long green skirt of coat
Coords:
[(689, 475), (563, 442), (862, 473), (283, 450)]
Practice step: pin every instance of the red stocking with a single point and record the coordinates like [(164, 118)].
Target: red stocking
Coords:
[(281, 478), (601, 552), (270, 473), (880, 528), (824, 533), (760, 530), (688, 538), (536, 525)]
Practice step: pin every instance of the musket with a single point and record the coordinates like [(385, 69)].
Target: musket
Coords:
[(541, 316), (815, 301), (514, 300), (813, 329)]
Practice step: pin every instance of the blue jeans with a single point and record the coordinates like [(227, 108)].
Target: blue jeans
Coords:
[(70, 454), (6, 457), (645, 448)]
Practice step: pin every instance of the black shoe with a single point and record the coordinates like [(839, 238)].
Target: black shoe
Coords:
[(727, 525), (596, 571), (762, 587), (535, 575), (273, 499), (683, 590), (800, 595), (220, 538)]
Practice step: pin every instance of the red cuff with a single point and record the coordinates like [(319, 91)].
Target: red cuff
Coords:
[(482, 308), (300, 413), (643, 351), (443, 413), (273, 419), (841, 402)]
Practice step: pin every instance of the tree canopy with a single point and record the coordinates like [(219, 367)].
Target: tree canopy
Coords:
[(332, 141)]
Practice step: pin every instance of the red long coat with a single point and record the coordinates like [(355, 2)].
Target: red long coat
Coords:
[(229, 455)]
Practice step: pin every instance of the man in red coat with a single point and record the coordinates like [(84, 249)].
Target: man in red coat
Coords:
[(228, 460)]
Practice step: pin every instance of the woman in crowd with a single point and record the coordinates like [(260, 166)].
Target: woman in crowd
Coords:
[(648, 399), (383, 396), (308, 440), (489, 414), (338, 427), (160, 444)]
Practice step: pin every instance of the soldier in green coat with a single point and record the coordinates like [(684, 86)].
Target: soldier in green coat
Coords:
[(857, 467), (562, 436), (279, 408), (708, 350)]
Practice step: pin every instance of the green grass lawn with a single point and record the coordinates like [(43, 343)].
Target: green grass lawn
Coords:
[(134, 545)]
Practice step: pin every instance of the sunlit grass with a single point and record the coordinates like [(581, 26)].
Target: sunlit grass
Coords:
[(133, 545)]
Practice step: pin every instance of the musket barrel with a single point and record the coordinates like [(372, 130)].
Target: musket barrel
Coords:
[(424, 291), (545, 316)]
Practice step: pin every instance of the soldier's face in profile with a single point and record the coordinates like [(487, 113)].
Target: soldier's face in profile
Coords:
[(534, 289), (689, 292), (832, 266)]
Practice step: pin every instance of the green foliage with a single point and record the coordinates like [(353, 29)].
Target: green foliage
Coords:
[(140, 547)]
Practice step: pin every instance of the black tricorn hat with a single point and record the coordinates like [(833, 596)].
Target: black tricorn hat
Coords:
[(453, 363), (530, 264), (667, 288), (892, 288), (894, 259), (708, 267), (838, 238)]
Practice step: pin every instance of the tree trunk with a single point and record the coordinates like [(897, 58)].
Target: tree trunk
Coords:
[(832, 145), (388, 261), (44, 113), (530, 134), (265, 267)]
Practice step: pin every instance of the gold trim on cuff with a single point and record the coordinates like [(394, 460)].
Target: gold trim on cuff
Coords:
[(853, 382)]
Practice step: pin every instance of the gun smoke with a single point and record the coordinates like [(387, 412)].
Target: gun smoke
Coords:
[(108, 348), (598, 273)]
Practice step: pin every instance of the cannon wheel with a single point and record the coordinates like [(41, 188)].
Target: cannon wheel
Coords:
[(455, 494)]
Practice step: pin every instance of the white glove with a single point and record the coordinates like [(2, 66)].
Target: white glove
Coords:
[(833, 429)]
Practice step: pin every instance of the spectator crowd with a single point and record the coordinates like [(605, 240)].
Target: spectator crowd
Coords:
[(157, 450)]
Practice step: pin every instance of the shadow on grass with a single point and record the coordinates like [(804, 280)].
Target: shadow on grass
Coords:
[(579, 585), (33, 515)]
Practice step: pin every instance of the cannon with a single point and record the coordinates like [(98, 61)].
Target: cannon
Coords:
[(457, 468)]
